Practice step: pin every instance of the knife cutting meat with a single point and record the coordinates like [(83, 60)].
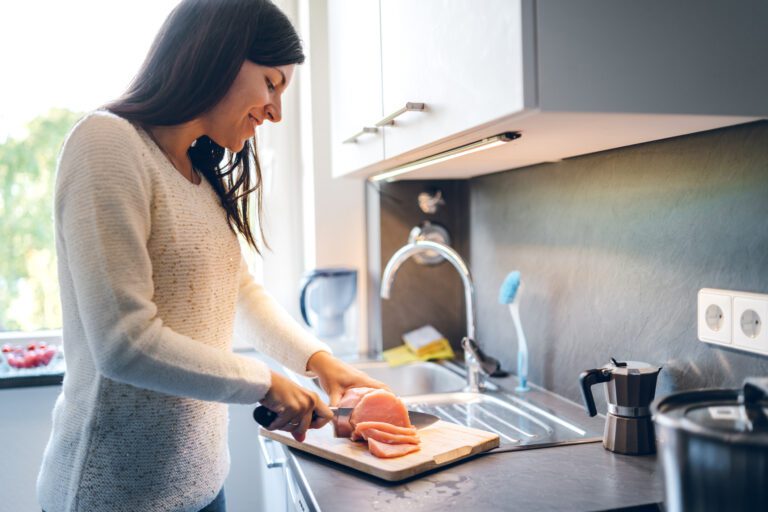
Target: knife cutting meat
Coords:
[(375, 416), (264, 416)]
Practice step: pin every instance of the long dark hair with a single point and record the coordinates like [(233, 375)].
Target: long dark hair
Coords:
[(193, 61)]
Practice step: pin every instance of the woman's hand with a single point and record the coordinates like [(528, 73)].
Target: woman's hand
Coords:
[(294, 406), (336, 376)]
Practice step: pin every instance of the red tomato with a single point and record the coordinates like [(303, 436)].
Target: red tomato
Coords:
[(31, 359), (31, 346), (7, 348), (47, 355)]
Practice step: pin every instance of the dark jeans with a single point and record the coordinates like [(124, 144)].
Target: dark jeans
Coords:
[(219, 504)]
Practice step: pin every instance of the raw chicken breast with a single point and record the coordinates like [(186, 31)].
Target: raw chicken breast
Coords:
[(380, 405), (387, 427), (386, 437), (388, 451), (380, 418), (341, 425)]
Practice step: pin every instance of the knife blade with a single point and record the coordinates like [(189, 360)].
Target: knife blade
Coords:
[(264, 416)]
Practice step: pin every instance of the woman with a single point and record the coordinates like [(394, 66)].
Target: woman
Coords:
[(147, 216)]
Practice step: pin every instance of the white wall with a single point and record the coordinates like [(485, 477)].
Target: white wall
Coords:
[(310, 219), (334, 216)]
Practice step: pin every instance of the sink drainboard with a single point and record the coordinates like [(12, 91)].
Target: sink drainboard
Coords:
[(523, 425)]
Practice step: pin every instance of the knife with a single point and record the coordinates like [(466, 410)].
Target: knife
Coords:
[(264, 416)]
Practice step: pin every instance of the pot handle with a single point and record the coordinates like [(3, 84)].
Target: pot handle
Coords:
[(755, 389), (588, 379)]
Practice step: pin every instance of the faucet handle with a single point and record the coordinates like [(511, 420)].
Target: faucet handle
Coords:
[(490, 365)]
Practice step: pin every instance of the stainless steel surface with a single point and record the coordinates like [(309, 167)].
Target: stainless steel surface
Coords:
[(270, 460), (418, 419), (414, 379), (620, 410), (519, 422), (433, 232), (475, 376), (533, 419), (409, 107), (366, 129)]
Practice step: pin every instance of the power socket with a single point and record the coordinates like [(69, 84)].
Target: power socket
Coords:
[(715, 316), (750, 312), (732, 318)]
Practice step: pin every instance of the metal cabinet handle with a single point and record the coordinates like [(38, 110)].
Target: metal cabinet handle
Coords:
[(295, 494), (271, 461), (409, 107), (366, 129)]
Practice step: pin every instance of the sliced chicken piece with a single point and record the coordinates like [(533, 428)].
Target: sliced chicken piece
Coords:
[(387, 427), (386, 437), (389, 451)]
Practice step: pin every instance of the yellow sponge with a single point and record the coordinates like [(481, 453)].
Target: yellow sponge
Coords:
[(425, 340)]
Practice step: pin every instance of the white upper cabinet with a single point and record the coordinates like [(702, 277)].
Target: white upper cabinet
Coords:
[(570, 77), (354, 43), (461, 59)]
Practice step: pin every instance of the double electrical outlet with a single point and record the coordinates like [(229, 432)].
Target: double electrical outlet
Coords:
[(733, 319)]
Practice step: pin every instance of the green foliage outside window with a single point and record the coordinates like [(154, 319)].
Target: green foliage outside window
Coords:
[(29, 290)]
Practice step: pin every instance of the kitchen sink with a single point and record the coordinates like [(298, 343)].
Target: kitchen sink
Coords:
[(414, 379), (534, 419)]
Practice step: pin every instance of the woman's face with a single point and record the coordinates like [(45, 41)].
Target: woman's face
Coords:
[(253, 98)]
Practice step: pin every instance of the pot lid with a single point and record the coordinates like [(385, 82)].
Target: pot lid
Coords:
[(631, 367), (730, 415)]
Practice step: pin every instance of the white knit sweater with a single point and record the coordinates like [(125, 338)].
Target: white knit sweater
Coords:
[(151, 275)]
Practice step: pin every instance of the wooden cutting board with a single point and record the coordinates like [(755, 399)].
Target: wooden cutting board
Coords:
[(441, 443)]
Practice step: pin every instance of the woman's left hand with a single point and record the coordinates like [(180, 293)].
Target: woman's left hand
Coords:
[(336, 376)]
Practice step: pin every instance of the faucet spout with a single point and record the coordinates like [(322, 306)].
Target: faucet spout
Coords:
[(474, 378)]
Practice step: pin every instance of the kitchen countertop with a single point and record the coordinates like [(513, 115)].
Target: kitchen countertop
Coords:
[(569, 478)]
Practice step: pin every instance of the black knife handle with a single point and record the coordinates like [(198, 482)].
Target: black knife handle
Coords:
[(265, 417)]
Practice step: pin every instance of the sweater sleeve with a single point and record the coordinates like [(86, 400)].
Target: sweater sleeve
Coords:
[(271, 329), (102, 216)]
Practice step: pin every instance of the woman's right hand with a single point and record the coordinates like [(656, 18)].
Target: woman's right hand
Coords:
[(294, 406)]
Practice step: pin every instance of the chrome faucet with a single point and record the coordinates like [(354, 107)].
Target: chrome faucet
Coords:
[(475, 375)]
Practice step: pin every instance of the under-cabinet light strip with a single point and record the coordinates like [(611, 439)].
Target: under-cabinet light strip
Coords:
[(473, 147)]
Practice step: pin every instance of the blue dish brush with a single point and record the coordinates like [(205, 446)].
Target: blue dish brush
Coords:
[(509, 294)]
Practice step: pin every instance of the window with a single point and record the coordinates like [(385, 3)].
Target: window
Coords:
[(68, 57)]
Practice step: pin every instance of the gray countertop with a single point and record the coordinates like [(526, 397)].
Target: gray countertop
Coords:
[(572, 478), (580, 477)]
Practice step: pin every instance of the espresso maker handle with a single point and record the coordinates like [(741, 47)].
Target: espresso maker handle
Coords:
[(587, 379)]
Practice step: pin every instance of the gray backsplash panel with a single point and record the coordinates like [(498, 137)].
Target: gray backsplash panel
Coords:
[(613, 248)]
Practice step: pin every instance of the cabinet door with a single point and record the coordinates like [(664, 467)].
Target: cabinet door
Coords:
[(354, 48), (251, 485), (25, 426), (462, 58)]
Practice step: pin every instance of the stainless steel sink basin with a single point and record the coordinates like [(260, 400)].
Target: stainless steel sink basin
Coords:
[(415, 378), (534, 419)]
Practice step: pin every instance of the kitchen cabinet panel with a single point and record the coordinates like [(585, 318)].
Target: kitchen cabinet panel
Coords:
[(464, 60), (656, 57), (572, 78), (25, 426), (354, 43)]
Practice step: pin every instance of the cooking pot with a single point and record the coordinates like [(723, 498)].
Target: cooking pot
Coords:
[(713, 445)]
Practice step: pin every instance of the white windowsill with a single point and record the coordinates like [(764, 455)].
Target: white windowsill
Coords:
[(52, 337)]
